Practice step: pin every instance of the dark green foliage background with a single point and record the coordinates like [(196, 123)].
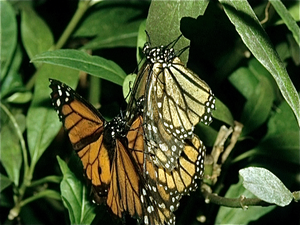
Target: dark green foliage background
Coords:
[(245, 92)]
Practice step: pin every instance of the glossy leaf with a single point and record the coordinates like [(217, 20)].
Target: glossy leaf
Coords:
[(36, 35), (255, 38), (266, 186), (288, 19), (74, 196), (82, 61), (8, 36)]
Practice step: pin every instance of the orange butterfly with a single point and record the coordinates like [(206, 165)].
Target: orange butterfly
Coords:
[(112, 154)]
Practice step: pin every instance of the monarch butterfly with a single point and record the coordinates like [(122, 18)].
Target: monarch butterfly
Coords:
[(112, 154), (176, 99)]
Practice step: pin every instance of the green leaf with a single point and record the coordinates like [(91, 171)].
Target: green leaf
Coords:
[(36, 35), (255, 38), (105, 19), (282, 140), (266, 186), (13, 80), (287, 18), (244, 81), (75, 197), (257, 86), (239, 216), (222, 113), (258, 107), (294, 49), (82, 61), (5, 182), (127, 85), (123, 37), (42, 120), (8, 36), (206, 133), (163, 22), (11, 155), (20, 97), (142, 39), (112, 24)]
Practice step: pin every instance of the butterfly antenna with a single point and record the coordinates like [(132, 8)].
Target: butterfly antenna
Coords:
[(181, 51)]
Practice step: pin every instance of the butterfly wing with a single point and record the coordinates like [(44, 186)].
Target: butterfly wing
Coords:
[(128, 192), (85, 126), (167, 187), (176, 99)]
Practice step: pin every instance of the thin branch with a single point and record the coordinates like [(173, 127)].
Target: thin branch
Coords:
[(20, 136), (234, 137), (241, 202)]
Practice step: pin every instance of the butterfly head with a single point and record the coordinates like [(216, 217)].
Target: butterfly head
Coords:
[(158, 54)]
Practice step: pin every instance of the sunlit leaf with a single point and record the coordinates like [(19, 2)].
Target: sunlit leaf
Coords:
[(82, 61), (255, 38), (75, 197), (266, 186)]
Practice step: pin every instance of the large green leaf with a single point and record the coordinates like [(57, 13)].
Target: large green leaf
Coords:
[(282, 141), (36, 35), (255, 38), (163, 22), (8, 36), (74, 195), (82, 61), (258, 107), (256, 85)]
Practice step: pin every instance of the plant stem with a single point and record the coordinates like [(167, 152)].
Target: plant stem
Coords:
[(42, 194), (82, 7), (241, 202), (54, 179), (20, 135)]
